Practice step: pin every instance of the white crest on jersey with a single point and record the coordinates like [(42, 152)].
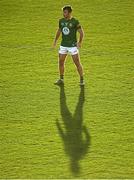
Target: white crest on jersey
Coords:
[(65, 30), (70, 24)]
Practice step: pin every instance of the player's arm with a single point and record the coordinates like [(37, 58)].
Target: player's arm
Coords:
[(81, 32), (57, 37)]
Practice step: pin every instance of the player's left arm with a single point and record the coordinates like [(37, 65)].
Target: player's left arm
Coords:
[(81, 32)]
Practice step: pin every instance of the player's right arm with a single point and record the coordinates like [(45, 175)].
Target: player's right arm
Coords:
[(58, 32)]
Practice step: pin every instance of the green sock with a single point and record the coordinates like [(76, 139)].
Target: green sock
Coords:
[(61, 76)]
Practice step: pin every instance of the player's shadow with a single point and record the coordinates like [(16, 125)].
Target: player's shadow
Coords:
[(75, 135)]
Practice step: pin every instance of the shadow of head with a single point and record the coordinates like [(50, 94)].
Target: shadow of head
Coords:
[(75, 167)]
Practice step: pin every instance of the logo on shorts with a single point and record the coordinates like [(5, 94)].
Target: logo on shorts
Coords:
[(66, 31)]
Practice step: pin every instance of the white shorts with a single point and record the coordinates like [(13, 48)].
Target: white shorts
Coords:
[(70, 50)]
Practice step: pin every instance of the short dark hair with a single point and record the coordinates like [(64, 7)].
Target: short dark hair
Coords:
[(67, 7)]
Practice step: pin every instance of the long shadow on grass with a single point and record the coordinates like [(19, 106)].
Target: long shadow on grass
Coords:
[(76, 137)]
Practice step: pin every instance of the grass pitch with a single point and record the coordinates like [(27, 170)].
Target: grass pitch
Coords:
[(52, 132)]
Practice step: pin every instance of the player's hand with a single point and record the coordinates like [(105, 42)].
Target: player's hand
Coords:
[(79, 45)]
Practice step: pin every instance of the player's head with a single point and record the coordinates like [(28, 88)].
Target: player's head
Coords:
[(67, 10)]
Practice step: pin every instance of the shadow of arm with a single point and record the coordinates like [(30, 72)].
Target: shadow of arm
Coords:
[(60, 130), (87, 141)]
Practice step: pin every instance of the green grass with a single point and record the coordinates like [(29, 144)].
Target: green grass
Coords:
[(98, 139)]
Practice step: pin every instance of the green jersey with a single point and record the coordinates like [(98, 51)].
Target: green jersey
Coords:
[(69, 30)]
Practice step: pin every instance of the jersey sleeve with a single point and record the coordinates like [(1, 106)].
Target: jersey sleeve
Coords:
[(78, 26), (59, 24)]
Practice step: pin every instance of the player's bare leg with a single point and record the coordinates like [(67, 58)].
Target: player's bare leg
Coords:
[(62, 58), (76, 60)]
